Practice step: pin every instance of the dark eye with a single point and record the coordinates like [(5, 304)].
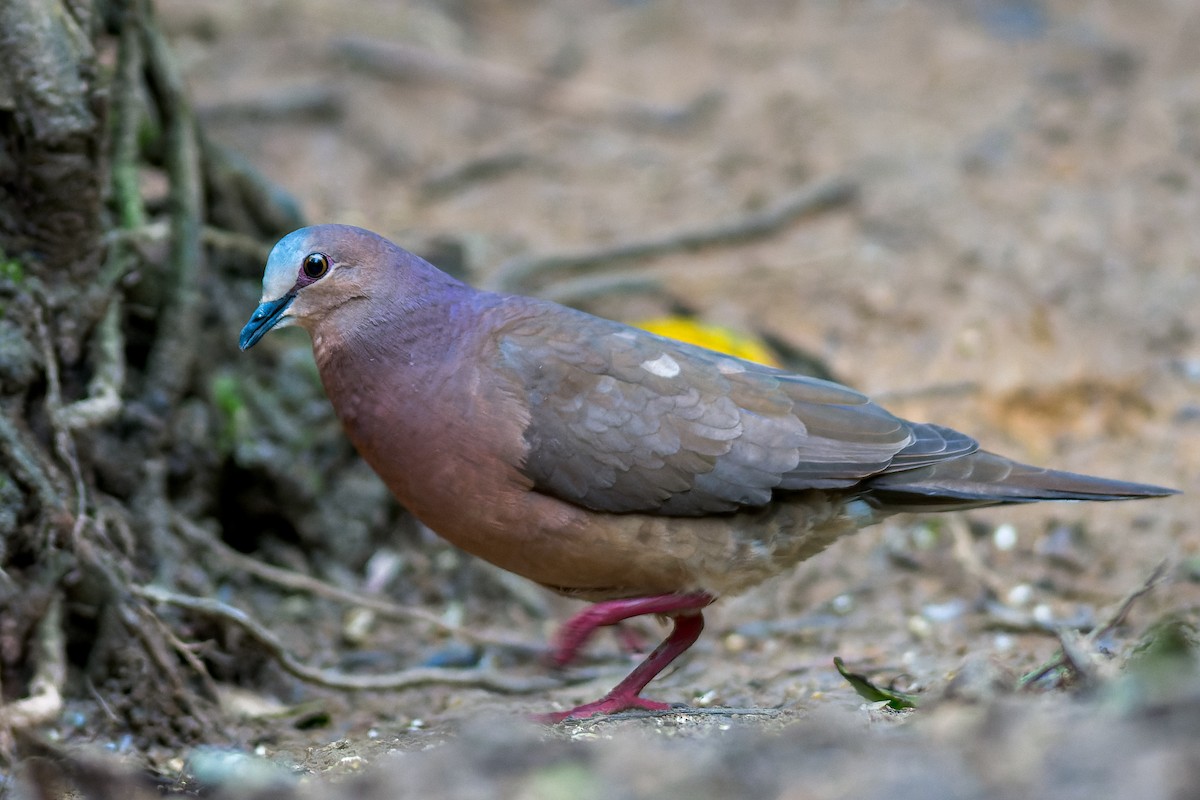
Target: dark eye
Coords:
[(315, 265)]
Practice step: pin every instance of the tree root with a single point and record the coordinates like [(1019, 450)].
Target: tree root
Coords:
[(335, 679), (174, 350), (296, 581), (44, 701)]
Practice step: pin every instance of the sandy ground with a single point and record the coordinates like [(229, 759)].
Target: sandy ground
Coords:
[(1021, 263)]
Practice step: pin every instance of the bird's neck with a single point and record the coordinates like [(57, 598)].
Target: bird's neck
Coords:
[(387, 370)]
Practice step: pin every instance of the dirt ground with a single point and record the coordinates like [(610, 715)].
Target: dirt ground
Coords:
[(1021, 261)]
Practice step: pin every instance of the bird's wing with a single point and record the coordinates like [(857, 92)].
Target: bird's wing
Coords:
[(621, 420)]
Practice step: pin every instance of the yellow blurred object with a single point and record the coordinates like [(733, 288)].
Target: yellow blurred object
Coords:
[(714, 337)]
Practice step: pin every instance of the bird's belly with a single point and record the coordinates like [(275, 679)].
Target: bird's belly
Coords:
[(596, 555)]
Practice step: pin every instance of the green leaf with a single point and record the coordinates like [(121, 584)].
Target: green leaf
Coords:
[(872, 693)]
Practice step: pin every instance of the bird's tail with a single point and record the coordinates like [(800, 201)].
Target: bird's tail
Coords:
[(986, 479)]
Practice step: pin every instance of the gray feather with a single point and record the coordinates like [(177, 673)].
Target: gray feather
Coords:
[(614, 426)]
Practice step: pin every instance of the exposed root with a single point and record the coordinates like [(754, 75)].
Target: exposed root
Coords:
[(295, 581), (334, 679), (23, 457), (174, 350), (44, 702)]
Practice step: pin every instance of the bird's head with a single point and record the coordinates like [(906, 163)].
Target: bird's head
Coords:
[(313, 272)]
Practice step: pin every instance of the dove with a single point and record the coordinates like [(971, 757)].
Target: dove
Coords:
[(603, 462)]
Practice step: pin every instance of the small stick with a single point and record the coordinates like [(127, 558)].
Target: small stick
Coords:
[(816, 197), (335, 679), (1118, 615), (181, 647), (1063, 658), (300, 104)]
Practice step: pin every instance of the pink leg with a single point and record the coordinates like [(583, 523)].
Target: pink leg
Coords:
[(689, 622), (579, 628)]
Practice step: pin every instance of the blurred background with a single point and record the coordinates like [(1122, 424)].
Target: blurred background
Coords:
[(1027, 208)]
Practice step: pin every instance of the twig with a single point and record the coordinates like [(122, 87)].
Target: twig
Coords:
[(112, 520), (153, 509), (496, 83), (153, 647), (489, 167), (102, 702), (321, 103), (1122, 610), (180, 647), (819, 196), (1069, 655), (306, 583), (335, 679)]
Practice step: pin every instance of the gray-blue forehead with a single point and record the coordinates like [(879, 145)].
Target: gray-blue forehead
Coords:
[(284, 261)]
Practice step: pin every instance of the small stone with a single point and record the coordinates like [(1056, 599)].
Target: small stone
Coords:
[(1004, 537), (1020, 595)]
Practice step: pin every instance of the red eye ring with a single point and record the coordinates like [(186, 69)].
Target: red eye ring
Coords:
[(315, 266)]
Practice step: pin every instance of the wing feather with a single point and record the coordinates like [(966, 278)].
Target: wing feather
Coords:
[(622, 420)]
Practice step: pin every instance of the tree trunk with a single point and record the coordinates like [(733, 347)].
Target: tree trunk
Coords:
[(52, 112), (106, 434)]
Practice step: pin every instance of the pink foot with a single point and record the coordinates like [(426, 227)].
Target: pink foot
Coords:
[(689, 622), (605, 705)]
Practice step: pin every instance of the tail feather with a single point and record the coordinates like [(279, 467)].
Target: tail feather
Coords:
[(986, 479)]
